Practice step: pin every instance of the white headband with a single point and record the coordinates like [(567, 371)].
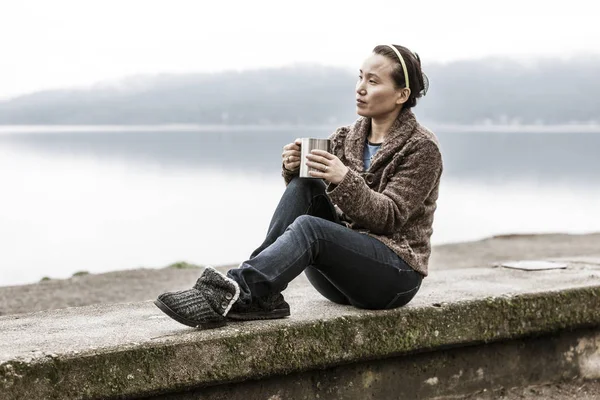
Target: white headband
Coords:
[(401, 62)]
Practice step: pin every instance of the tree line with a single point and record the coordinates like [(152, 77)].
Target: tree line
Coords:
[(492, 90)]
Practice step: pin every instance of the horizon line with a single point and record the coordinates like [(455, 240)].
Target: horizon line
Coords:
[(592, 127)]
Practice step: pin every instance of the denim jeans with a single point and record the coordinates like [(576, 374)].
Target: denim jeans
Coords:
[(345, 266)]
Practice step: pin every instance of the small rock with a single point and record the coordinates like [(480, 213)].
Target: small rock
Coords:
[(432, 381)]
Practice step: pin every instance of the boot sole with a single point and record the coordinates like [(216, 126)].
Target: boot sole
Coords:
[(275, 314), (182, 320)]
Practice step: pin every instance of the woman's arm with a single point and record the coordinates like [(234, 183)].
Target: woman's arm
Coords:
[(386, 212), (288, 175)]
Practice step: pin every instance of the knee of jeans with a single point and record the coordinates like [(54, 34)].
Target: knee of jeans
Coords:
[(298, 183), (306, 223)]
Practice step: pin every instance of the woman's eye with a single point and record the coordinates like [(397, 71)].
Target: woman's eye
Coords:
[(359, 77), (372, 81)]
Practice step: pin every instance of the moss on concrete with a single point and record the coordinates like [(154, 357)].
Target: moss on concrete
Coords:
[(258, 352)]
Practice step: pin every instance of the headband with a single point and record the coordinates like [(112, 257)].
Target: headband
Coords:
[(401, 62)]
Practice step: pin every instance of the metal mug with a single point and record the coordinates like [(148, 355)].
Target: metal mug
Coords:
[(309, 144)]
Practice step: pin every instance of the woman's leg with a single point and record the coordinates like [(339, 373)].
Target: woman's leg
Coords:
[(301, 197), (357, 268), (304, 197), (363, 269), (366, 272)]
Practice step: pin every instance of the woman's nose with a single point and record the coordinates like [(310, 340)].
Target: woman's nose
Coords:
[(360, 89)]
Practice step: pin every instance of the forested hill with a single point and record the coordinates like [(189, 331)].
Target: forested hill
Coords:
[(466, 92)]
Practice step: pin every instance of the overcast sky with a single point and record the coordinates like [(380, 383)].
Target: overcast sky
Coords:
[(63, 43)]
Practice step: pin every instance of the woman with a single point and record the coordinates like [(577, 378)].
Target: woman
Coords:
[(362, 232)]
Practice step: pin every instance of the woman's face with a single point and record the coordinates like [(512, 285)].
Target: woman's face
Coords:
[(376, 94)]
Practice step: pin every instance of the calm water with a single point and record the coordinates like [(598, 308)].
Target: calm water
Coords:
[(108, 199)]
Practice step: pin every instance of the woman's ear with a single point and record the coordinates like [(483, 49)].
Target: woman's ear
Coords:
[(404, 95)]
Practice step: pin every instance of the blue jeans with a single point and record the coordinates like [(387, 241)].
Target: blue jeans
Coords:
[(345, 266)]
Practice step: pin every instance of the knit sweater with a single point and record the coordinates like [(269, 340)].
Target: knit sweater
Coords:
[(395, 199)]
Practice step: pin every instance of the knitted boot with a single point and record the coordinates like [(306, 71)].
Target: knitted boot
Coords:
[(205, 305), (266, 307)]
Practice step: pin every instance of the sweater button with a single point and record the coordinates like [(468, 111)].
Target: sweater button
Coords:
[(229, 296), (224, 305)]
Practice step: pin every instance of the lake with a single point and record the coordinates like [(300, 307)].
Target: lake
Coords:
[(99, 199)]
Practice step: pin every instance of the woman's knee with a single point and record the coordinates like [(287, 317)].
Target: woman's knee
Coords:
[(300, 223), (315, 186), (310, 226)]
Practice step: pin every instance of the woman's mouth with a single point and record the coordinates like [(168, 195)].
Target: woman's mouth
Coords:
[(360, 102)]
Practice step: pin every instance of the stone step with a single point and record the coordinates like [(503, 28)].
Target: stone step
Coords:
[(493, 319)]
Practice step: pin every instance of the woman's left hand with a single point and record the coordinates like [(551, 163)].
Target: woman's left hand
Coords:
[(329, 166)]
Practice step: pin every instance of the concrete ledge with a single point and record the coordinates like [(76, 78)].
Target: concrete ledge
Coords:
[(132, 350), (473, 372)]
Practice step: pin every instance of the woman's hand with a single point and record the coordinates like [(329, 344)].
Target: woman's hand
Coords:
[(329, 166), (291, 156)]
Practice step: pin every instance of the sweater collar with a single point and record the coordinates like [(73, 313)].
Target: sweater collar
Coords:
[(400, 131)]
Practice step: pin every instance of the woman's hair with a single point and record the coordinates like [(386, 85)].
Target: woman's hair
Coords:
[(413, 69)]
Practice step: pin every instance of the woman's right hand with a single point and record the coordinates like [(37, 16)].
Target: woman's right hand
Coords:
[(291, 156)]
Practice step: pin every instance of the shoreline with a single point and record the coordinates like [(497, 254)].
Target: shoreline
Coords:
[(185, 127), (183, 264), (142, 284)]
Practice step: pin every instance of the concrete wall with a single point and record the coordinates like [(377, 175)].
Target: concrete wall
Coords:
[(134, 351)]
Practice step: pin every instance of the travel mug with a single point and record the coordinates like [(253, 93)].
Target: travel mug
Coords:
[(309, 144)]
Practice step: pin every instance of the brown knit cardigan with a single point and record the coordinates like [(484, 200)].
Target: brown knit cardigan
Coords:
[(395, 199)]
